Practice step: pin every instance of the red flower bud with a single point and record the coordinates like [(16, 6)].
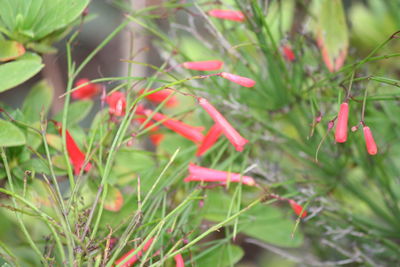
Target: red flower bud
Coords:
[(243, 81), (179, 261), (288, 53), (297, 208), (131, 257), (369, 141), (233, 15), (341, 126), (201, 174), (234, 137), (87, 91), (76, 156), (209, 140), (156, 139), (208, 65)]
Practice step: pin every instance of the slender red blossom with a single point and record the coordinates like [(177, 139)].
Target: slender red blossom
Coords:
[(87, 91), (192, 133), (208, 65), (201, 174), (160, 96), (233, 15), (243, 81), (341, 126), (149, 124), (298, 209), (132, 256), (369, 141), (179, 262), (117, 103), (209, 140), (234, 137), (76, 156), (288, 53)]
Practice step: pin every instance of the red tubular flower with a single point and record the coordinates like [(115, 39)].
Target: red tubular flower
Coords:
[(160, 96), (133, 257), (192, 133), (243, 81), (201, 174), (209, 140), (369, 141), (297, 208), (288, 53), (234, 137), (117, 103), (227, 14), (179, 261), (87, 91), (76, 156), (208, 65), (341, 127), (149, 124)]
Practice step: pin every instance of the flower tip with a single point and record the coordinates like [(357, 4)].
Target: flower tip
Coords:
[(243, 81), (369, 141), (233, 15), (298, 209)]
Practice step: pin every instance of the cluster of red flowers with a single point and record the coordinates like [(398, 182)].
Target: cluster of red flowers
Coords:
[(146, 117), (342, 126)]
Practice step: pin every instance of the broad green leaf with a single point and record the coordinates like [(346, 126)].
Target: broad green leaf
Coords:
[(10, 135), (77, 111), (269, 224), (18, 71), (10, 50), (216, 206), (35, 19), (221, 256), (331, 32), (39, 99)]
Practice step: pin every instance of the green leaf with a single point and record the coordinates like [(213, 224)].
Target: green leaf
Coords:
[(39, 99), (10, 135), (221, 256), (331, 32), (17, 72), (114, 200), (35, 19), (10, 50), (77, 111), (269, 224)]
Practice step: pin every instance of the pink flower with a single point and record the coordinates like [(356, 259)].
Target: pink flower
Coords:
[(201, 174), (297, 208), (160, 96), (192, 133), (179, 261), (208, 65), (234, 137), (369, 141), (341, 127), (76, 156), (131, 257), (288, 53), (117, 103), (209, 140), (86, 91), (227, 14), (243, 81)]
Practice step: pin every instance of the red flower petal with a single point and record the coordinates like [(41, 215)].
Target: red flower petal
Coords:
[(227, 14), (208, 65)]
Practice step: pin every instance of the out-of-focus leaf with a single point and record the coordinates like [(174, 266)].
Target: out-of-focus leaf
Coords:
[(18, 71), (221, 256), (54, 141), (10, 50), (39, 99), (77, 111), (269, 224), (330, 30), (10, 135), (114, 200)]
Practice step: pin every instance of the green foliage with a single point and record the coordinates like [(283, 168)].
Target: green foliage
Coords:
[(10, 135)]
